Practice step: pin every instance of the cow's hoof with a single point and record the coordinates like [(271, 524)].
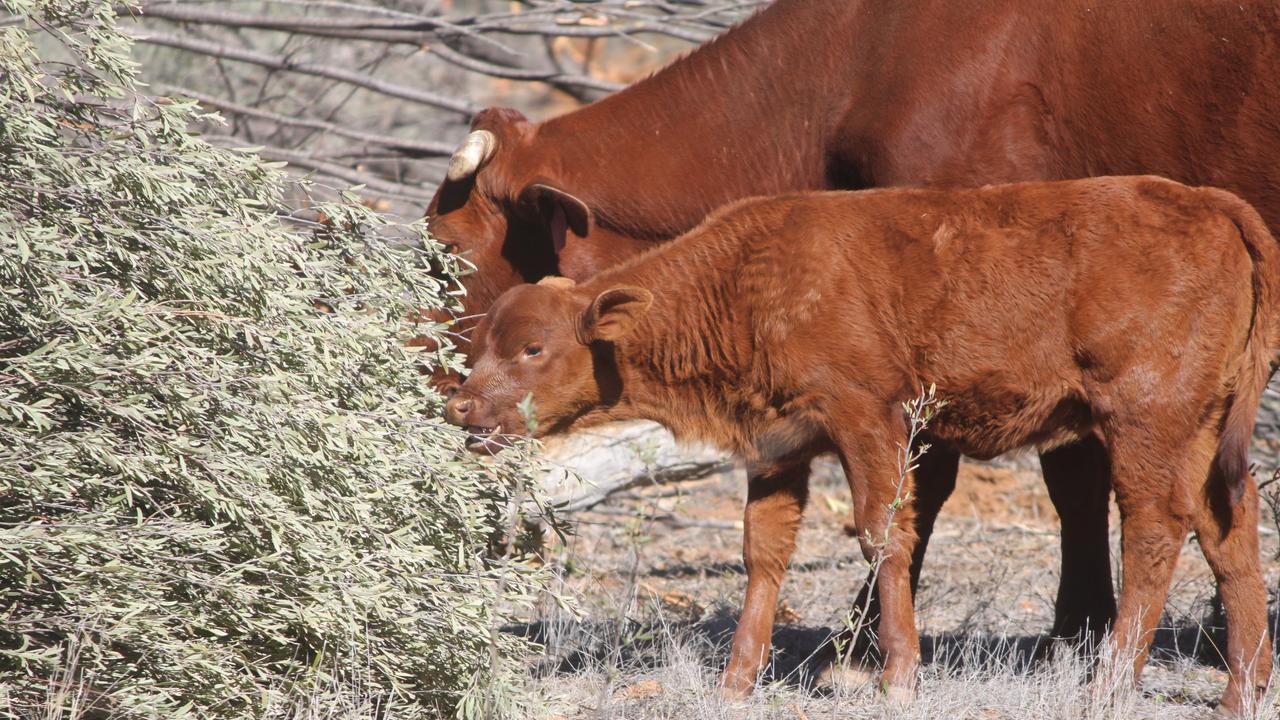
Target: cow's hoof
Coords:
[(1230, 705), (848, 674), (737, 683), (731, 695)]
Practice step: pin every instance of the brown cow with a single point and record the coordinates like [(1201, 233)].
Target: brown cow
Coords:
[(1136, 310), (830, 94)]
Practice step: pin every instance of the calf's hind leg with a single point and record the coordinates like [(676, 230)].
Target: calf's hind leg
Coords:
[(1229, 538), (1155, 504), (776, 496)]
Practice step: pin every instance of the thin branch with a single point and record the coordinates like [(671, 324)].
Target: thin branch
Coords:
[(600, 31), (552, 77), (408, 148), (418, 29), (409, 193), (276, 62)]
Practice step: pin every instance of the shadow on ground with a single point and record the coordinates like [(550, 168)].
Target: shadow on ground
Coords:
[(573, 647)]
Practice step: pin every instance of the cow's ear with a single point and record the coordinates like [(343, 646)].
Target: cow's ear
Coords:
[(615, 312), (560, 212)]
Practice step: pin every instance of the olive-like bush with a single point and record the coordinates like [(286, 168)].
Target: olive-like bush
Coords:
[(224, 492)]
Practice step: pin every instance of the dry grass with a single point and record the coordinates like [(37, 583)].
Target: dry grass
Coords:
[(657, 608)]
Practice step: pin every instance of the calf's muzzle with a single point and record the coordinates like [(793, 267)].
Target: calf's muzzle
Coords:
[(471, 413)]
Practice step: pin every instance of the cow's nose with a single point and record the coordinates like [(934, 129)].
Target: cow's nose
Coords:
[(457, 409)]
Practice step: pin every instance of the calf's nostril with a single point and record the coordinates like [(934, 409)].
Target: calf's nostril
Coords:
[(455, 411)]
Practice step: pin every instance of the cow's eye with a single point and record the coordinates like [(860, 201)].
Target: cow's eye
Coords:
[(532, 350)]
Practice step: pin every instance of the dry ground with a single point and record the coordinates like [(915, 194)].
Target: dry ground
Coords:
[(656, 605)]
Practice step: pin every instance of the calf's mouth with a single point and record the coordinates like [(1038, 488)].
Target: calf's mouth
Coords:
[(483, 440)]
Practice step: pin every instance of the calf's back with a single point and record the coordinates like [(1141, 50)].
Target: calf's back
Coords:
[(1011, 299)]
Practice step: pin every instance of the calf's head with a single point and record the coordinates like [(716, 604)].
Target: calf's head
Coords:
[(551, 342)]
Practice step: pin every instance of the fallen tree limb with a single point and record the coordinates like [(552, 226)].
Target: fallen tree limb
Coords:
[(592, 466), (669, 519)]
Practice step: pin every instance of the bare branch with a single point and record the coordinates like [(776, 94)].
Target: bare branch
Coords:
[(383, 31), (259, 62)]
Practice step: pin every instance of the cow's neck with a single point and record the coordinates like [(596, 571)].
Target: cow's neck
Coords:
[(750, 113)]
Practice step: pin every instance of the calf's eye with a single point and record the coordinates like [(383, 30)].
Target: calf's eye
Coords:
[(532, 350)]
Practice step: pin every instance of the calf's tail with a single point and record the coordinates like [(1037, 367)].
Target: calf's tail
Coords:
[(1258, 360)]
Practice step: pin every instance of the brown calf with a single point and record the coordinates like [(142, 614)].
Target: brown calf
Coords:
[(1136, 310)]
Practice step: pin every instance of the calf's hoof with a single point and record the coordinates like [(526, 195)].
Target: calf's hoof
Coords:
[(847, 674), (898, 696), (1234, 704)]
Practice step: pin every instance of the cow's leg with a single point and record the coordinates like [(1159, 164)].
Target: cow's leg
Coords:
[(935, 480), (1152, 491), (1229, 538), (883, 506), (776, 497), (1078, 478)]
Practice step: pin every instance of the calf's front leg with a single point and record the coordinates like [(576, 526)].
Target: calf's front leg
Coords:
[(935, 480), (885, 519), (776, 496)]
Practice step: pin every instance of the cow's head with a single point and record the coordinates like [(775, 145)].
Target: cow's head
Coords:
[(550, 341), (504, 205)]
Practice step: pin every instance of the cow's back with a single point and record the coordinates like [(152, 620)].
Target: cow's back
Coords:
[(1186, 89)]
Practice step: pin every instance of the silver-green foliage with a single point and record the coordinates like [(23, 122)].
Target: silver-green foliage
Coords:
[(217, 500)]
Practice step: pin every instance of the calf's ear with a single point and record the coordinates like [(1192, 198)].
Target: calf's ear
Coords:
[(615, 312), (559, 211)]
